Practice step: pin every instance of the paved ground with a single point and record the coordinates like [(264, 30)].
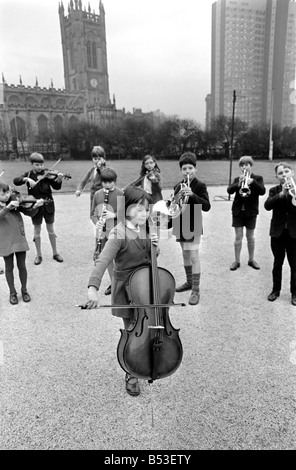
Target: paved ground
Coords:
[(61, 385)]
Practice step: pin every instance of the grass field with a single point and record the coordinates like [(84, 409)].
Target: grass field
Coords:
[(211, 172)]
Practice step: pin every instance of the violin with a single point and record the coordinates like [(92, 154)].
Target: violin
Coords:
[(151, 348), (51, 174), (26, 201)]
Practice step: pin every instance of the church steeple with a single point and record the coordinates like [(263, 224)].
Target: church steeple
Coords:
[(85, 52)]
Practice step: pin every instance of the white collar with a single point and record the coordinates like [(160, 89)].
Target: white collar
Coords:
[(132, 226)]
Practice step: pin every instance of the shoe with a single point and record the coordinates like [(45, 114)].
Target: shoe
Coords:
[(273, 296), (132, 385), (108, 290), (38, 260), (253, 264), (26, 296), (194, 298), (13, 299), (58, 258), (184, 287), (293, 299), (234, 266)]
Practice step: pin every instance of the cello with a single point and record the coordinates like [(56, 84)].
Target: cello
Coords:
[(150, 348)]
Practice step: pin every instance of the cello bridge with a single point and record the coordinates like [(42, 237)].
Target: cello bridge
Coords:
[(159, 327)]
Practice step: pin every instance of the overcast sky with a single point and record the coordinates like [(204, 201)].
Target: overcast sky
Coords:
[(159, 51)]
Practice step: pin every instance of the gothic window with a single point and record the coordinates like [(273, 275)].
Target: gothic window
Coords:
[(88, 48), (18, 128), (60, 103), (73, 122), (91, 50), (42, 124), (31, 101), (58, 126), (94, 53)]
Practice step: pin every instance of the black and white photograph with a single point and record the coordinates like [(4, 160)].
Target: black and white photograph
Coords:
[(148, 227)]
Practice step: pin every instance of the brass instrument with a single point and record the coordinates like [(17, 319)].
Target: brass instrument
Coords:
[(245, 190), (176, 204), (290, 186), (99, 236)]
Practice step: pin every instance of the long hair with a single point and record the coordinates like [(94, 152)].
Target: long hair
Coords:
[(143, 170), (134, 195)]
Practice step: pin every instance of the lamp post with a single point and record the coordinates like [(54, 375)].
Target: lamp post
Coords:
[(270, 155), (231, 138)]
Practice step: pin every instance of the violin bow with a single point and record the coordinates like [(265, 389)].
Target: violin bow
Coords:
[(135, 305), (50, 169)]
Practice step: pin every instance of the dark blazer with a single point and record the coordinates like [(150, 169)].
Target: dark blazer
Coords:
[(251, 202), (41, 190), (284, 213), (190, 220)]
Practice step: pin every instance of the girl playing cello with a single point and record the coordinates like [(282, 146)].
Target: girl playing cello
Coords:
[(129, 246)]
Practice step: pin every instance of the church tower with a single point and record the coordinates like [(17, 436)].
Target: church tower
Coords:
[(85, 52)]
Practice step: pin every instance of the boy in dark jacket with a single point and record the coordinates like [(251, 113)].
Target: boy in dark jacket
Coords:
[(187, 226), (39, 185), (282, 232), (247, 188)]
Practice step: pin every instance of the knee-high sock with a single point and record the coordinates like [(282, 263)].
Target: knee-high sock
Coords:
[(188, 272), (237, 250), (251, 249), (195, 282), (53, 241), (37, 241), (9, 273), (21, 264)]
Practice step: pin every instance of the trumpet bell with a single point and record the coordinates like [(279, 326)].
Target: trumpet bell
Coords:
[(162, 207)]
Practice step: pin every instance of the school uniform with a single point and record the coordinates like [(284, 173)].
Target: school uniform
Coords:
[(283, 236), (42, 190), (12, 230), (246, 209), (93, 177), (129, 249), (187, 226), (115, 204), (153, 188)]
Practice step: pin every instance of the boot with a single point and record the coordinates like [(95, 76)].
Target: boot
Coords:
[(188, 284)]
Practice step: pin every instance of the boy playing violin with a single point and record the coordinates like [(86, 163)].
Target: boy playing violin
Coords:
[(93, 176), (39, 185)]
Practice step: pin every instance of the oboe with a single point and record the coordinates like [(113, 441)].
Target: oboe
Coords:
[(100, 231)]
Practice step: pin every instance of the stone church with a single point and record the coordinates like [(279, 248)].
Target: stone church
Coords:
[(28, 113)]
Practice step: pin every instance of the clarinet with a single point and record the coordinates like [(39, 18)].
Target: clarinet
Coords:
[(100, 231)]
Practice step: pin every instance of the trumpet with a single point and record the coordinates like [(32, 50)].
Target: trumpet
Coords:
[(290, 186), (176, 204), (245, 190), (100, 231)]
